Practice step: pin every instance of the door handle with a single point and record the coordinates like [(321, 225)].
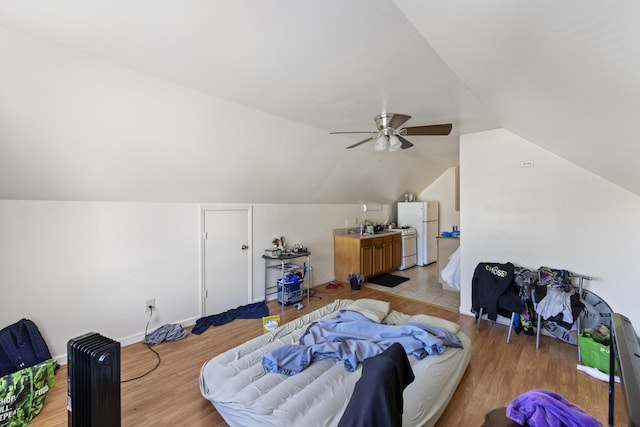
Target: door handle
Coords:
[(244, 247)]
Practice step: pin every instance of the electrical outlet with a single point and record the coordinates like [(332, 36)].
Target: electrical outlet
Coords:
[(149, 304)]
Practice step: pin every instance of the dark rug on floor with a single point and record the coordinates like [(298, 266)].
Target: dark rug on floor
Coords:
[(388, 280)]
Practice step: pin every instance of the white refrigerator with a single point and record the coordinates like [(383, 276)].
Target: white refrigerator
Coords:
[(423, 216)]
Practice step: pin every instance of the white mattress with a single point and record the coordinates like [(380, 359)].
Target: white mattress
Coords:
[(245, 394)]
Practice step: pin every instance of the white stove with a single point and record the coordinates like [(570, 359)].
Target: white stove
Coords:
[(409, 247)]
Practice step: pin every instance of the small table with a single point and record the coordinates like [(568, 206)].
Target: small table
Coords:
[(285, 296)]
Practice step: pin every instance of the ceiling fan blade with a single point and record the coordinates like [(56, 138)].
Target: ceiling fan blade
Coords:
[(364, 131), (361, 142), (398, 120), (405, 143), (443, 129)]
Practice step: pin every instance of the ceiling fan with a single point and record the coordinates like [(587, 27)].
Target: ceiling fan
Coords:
[(391, 135)]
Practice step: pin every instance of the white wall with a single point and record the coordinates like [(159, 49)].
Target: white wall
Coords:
[(553, 214), (76, 267), (75, 127), (443, 190)]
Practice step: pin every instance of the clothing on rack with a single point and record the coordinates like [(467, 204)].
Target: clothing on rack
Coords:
[(556, 302), (525, 281), (555, 278), (492, 289)]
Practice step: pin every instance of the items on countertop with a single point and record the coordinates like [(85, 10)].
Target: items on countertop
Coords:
[(454, 233), (279, 249)]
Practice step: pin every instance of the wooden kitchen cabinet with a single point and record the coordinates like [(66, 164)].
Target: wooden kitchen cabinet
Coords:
[(366, 255), (396, 258), (378, 256), (366, 259)]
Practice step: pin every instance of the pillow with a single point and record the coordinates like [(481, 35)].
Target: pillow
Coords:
[(371, 308), (397, 318)]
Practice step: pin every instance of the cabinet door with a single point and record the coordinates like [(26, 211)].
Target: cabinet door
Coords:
[(397, 252), (378, 256), (387, 251), (366, 261), (346, 257)]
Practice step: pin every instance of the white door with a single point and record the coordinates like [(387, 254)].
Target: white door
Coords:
[(226, 259)]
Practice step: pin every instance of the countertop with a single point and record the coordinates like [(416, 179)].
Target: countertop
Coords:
[(367, 236), (288, 255), (446, 237)]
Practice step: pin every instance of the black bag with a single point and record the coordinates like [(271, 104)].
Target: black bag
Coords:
[(355, 280), (21, 346)]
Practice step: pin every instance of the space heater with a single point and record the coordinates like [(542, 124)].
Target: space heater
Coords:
[(93, 381)]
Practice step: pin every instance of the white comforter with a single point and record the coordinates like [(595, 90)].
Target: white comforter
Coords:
[(245, 394)]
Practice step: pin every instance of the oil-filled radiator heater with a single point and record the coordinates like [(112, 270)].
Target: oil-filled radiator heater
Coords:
[(93, 381)]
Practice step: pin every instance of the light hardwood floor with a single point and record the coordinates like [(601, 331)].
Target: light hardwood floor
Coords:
[(498, 372)]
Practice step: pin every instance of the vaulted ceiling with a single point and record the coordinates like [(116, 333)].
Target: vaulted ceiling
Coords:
[(210, 101)]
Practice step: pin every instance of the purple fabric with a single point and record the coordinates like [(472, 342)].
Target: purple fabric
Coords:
[(544, 408)]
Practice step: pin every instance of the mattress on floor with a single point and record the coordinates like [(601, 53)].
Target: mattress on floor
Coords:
[(245, 394)]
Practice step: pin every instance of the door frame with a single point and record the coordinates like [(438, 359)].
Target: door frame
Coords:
[(248, 209)]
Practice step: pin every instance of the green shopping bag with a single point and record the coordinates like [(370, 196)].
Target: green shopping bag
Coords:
[(22, 393), (595, 351)]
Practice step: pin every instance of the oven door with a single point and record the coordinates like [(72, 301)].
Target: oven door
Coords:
[(409, 245)]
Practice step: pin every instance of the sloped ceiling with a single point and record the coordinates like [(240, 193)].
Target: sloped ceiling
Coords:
[(195, 101)]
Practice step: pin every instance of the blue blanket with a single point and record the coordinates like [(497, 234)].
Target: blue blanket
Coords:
[(352, 337)]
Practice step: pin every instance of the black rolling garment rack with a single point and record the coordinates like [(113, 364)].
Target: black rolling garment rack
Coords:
[(93, 381)]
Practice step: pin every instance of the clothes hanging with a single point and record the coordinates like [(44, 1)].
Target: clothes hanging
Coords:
[(491, 288)]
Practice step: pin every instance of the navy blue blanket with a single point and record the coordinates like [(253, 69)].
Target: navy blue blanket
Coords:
[(256, 310)]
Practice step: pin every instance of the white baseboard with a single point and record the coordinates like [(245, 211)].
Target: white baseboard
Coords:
[(132, 339)]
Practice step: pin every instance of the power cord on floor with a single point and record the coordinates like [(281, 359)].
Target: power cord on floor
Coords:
[(146, 328)]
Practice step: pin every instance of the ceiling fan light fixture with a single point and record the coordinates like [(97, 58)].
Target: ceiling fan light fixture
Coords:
[(391, 133), (381, 143), (394, 143)]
